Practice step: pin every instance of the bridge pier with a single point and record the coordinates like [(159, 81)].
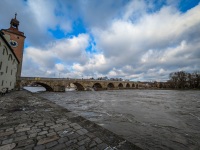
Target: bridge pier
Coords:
[(59, 88)]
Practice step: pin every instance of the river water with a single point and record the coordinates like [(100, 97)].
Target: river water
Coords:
[(151, 119)]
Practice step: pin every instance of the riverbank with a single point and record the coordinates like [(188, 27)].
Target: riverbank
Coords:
[(31, 122)]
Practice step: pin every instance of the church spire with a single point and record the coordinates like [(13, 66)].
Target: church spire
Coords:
[(14, 23), (15, 15)]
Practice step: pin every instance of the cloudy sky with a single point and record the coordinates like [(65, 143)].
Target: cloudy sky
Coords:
[(140, 40)]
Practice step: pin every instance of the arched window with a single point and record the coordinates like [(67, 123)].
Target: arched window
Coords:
[(5, 50), (10, 57), (0, 65)]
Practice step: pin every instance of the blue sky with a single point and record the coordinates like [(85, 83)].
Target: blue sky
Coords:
[(140, 40)]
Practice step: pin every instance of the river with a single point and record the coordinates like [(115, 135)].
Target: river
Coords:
[(151, 119)]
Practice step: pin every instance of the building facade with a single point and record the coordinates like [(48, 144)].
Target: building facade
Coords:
[(16, 40), (8, 65), (11, 55)]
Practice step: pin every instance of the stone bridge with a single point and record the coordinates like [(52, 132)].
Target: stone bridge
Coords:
[(59, 84)]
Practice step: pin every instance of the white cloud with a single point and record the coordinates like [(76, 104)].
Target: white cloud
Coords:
[(67, 51), (60, 67), (157, 40)]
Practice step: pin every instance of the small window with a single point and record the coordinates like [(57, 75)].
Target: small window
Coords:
[(5, 50), (10, 57), (2, 83), (6, 69), (0, 65), (10, 83), (11, 72)]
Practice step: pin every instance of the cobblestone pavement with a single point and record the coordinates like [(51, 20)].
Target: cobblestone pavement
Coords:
[(30, 122)]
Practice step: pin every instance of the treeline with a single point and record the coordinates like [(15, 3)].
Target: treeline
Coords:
[(184, 80)]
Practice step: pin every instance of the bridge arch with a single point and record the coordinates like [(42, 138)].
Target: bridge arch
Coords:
[(120, 85), (97, 86), (46, 86), (133, 85), (79, 86), (128, 85), (110, 85)]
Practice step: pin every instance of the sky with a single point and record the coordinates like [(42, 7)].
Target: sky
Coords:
[(139, 40)]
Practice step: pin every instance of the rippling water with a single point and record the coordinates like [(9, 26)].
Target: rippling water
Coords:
[(151, 119)]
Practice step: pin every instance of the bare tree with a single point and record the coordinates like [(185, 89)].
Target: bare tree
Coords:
[(182, 80)]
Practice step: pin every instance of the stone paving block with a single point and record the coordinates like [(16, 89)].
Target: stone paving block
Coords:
[(51, 130), (9, 129), (94, 148), (77, 127), (20, 133), (102, 146), (41, 137), (39, 147), (22, 125), (7, 141), (98, 140), (82, 148), (39, 124), (20, 138), (73, 125), (71, 142), (73, 136), (84, 141), (47, 140), (32, 135), (8, 146), (6, 133), (61, 128), (63, 120), (42, 133), (49, 124), (82, 131), (58, 147), (1, 131), (92, 144), (51, 134), (45, 128), (63, 140), (34, 131), (55, 126), (82, 137), (51, 144), (30, 146), (23, 129), (25, 143), (90, 135), (73, 147)]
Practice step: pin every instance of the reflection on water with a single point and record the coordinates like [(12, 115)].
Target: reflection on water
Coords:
[(34, 89), (151, 119)]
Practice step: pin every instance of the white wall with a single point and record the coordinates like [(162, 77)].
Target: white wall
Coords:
[(8, 67)]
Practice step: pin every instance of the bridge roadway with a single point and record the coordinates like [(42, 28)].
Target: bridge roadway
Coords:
[(59, 84)]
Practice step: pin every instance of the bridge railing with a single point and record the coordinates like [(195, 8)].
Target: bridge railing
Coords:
[(72, 79)]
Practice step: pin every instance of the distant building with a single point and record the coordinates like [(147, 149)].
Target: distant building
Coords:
[(11, 55)]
